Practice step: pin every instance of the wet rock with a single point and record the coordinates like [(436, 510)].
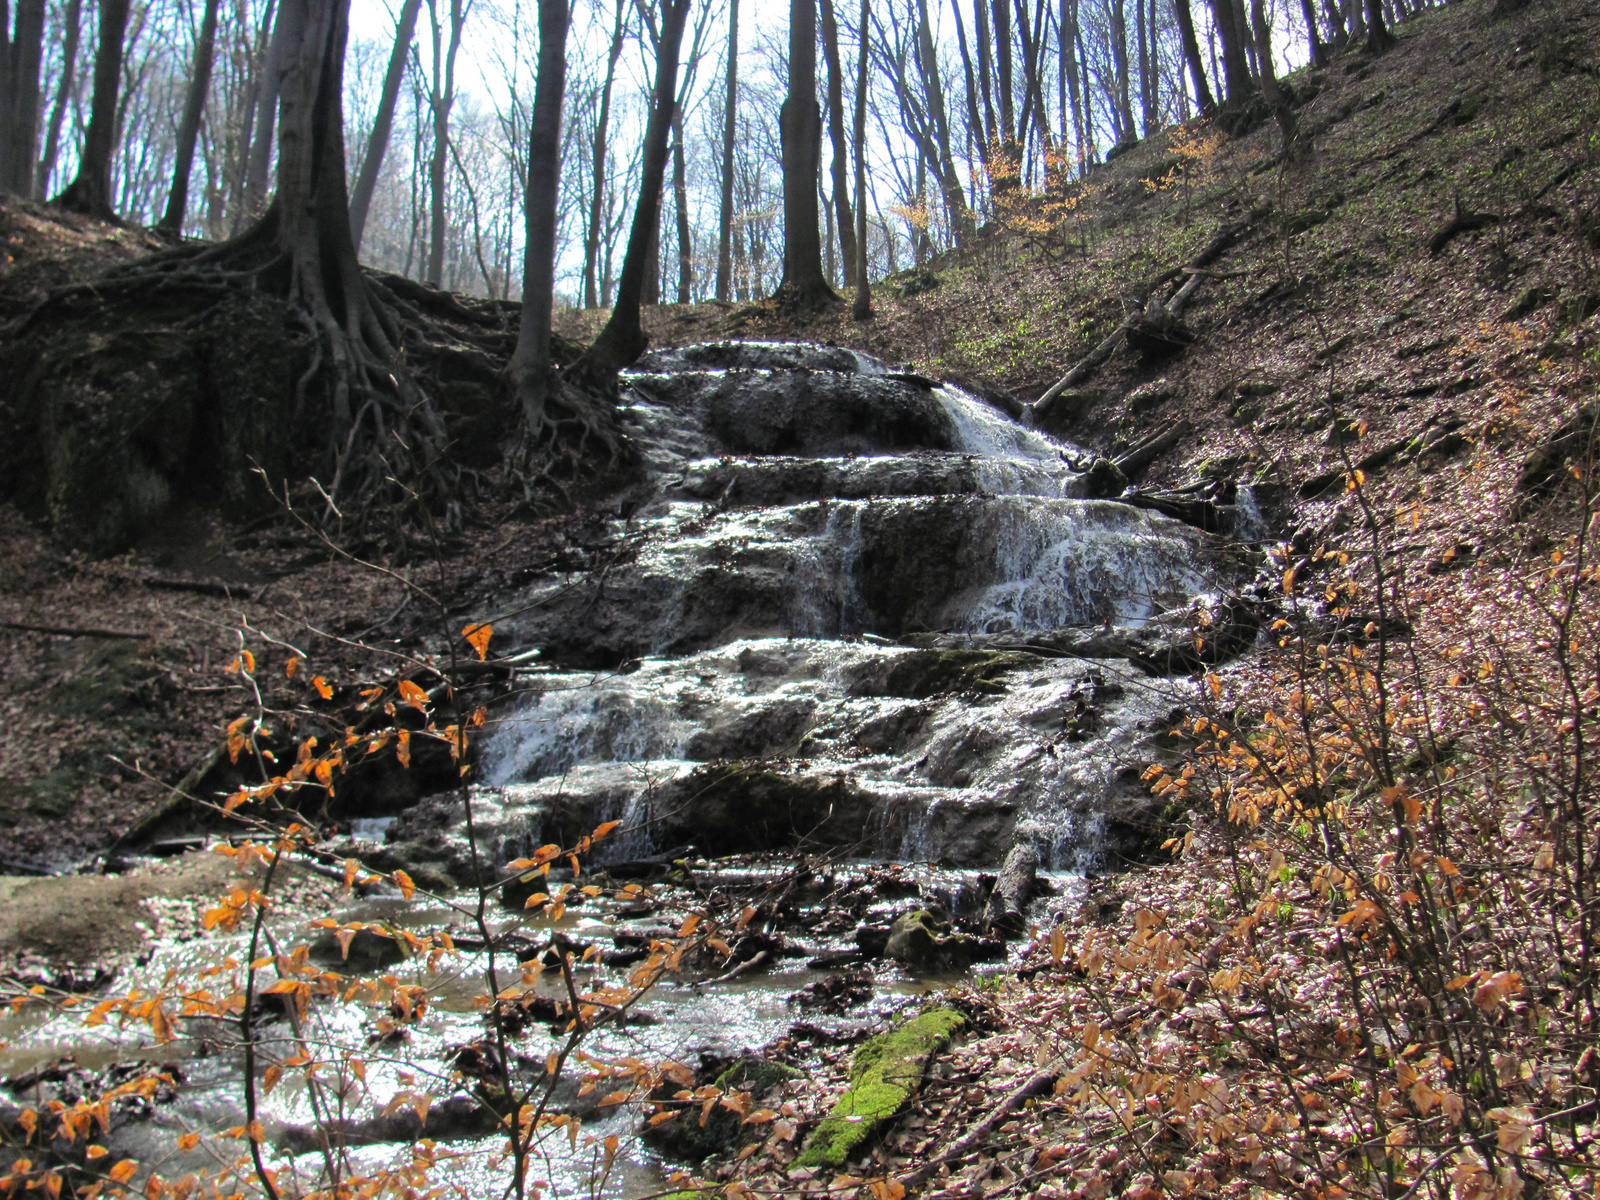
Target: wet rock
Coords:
[(835, 993), (686, 1138), (924, 943), (453, 1119), (1103, 480), (775, 729), (368, 951)]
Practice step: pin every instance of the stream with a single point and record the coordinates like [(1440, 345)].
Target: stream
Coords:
[(860, 618)]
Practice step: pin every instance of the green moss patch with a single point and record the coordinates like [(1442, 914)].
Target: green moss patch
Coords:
[(926, 673), (886, 1073)]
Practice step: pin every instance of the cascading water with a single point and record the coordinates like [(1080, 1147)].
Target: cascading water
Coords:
[(809, 498)]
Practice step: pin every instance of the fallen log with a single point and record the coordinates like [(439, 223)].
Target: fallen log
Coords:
[(1142, 453), (1194, 268), (1019, 875)]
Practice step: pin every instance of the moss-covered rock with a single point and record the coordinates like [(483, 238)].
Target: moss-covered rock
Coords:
[(885, 1074), (921, 941)]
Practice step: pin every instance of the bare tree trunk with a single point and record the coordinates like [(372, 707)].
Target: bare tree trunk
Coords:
[(1191, 55), (1146, 116), (804, 287), (680, 204), (1270, 90), (1119, 58), (591, 240), (1314, 43), (20, 101), (623, 338), (90, 192), (841, 155), (1003, 73), (383, 122), (1379, 38), (442, 96), (1069, 69), (955, 197), (73, 19), (530, 368), (189, 128), (991, 132), (1235, 68), (975, 127), (730, 115), (863, 301), (260, 161)]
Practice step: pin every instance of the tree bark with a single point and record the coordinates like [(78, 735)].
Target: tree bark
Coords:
[(955, 196), (254, 197), (19, 85), (680, 206), (1191, 55), (90, 191), (1235, 68), (863, 300), (1127, 134), (804, 287), (189, 127), (1270, 90), (442, 97), (1068, 35), (591, 241), (530, 368), (841, 155), (1379, 38), (383, 122), (623, 338), (73, 19), (730, 115)]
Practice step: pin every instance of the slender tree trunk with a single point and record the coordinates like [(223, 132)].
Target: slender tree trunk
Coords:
[(591, 240), (530, 368), (1146, 117), (730, 113), (1270, 90), (804, 286), (1119, 59), (991, 130), (90, 192), (73, 19), (1314, 43), (955, 197), (623, 338), (975, 127), (1191, 55), (1003, 72), (189, 128), (19, 91), (442, 98), (260, 159), (841, 154), (863, 300), (383, 122), (680, 204), (1069, 65)]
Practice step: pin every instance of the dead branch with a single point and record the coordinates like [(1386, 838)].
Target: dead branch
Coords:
[(71, 630), (974, 1139), (1195, 269)]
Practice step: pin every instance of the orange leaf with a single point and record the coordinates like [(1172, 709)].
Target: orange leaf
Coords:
[(323, 688), (478, 637), (188, 1142), (413, 695), (403, 748), (124, 1170), (403, 882), (603, 830), (293, 665)]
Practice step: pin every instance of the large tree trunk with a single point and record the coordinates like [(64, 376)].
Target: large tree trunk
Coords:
[(804, 287), (1191, 55), (841, 156), (1270, 90), (1379, 38), (90, 191), (1069, 70), (623, 338), (73, 19), (189, 127), (592, 293), (730, 113), (19, 97), (863, 300), (383, 122), (1235, 67), (530, 369)]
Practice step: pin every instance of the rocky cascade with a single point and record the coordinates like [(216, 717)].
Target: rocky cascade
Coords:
[(858, 611)]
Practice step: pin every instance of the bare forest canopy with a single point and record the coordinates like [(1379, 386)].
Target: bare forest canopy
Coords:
[(962, 103)]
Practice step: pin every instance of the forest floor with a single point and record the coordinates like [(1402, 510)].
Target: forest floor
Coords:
[(1360, 327)]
